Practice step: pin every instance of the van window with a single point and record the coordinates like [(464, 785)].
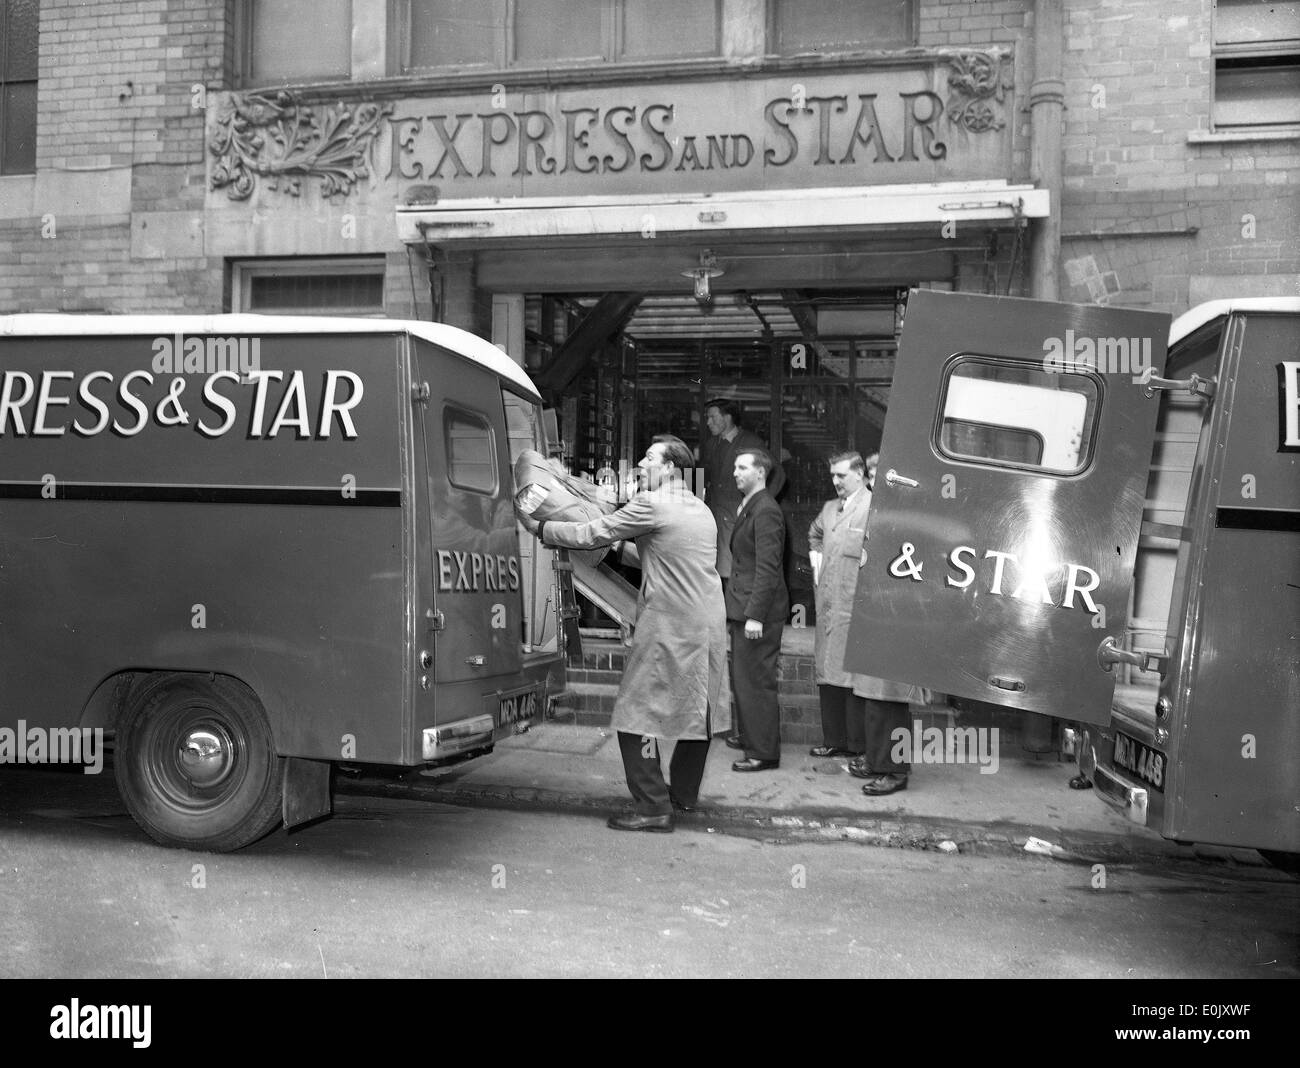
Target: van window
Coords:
[(1007, 414), (471, 451)]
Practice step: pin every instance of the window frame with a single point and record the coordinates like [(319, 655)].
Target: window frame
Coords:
[(6, 81), (242, 273), (1091, 423), (774, 46), (482, 419), (243, 72), (505, 51), (1270, 48)]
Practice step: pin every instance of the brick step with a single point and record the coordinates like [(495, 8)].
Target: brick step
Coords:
[(594, 677)]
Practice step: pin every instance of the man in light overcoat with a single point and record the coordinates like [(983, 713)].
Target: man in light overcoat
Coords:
[(677, 662), (835, 542), (885, 705)]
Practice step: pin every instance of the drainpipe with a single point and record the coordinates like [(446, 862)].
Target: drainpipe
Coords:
[(1046, 118)]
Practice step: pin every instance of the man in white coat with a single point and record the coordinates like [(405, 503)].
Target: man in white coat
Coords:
[(885, 708), (859, 713), (835, 542), (676, 666)]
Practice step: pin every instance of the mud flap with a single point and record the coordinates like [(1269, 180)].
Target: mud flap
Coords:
[(306, 791)]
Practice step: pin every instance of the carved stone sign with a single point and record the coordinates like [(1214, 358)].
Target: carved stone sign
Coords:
[(944, 119), (283, 140)]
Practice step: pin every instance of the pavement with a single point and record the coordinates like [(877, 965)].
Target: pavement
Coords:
[(950, 807)]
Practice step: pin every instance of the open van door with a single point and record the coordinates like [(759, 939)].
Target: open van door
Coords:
[(1004, 523)]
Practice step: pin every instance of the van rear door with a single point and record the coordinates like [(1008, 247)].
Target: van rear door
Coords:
[(1005, 517), (476, 573)]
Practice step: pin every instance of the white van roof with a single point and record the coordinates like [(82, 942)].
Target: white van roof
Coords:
[(471, 346), (1191, 321)]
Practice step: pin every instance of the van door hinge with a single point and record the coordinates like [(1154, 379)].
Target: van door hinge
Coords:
[(420, 393), (437, 621), (1196, 385), (1109, 654)]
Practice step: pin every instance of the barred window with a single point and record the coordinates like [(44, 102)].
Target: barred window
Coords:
[(345, 286)]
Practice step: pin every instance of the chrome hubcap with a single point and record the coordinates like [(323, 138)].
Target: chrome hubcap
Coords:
[(205, 755)]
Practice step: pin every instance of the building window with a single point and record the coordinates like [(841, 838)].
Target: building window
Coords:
[(1256, 65), (801, 26), (295, 41), (19, 33), (459, 34), (352, 286), (471, 452)]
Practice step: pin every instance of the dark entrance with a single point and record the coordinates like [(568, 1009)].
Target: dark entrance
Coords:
[(811, 371)]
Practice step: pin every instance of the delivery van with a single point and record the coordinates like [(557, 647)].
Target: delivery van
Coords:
[(246, 549), (1028, 545)]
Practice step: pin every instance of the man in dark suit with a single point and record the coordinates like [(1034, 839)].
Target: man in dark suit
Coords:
[(727, 440), (757, 604)]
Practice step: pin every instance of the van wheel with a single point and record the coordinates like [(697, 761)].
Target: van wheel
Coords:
[(1287, 862), (196, 764)]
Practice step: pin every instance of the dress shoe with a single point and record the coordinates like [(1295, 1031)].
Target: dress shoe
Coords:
[(830, 751), (879, 785), (754, 764), (859, 770), (633, 821), (733, 742), (679, 807)]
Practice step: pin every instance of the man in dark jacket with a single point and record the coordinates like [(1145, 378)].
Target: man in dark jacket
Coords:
[(757, 604), (718, 453)]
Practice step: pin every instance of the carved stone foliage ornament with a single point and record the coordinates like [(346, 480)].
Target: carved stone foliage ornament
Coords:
[(976, 81), (282, 140)]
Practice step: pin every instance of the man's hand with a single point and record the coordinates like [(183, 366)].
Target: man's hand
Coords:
[(753, 629), (527, 522), (815, 558)]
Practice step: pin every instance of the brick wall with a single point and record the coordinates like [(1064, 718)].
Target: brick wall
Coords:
[(114, 221), (120, 148), (1138, 84)]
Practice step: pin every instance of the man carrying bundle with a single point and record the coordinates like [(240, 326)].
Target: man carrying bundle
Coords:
[(676, 665)]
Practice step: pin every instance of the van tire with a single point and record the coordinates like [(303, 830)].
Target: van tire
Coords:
[(196, 765)]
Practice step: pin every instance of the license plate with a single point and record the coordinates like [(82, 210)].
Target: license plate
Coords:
[(1146, 763), (522, 704)]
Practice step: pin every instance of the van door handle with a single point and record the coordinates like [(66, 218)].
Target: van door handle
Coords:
[(475, 661), (895, 479)]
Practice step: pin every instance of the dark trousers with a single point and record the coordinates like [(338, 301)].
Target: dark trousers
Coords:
[(753, 689), (843, 718), (645, 777), (883, 718)]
